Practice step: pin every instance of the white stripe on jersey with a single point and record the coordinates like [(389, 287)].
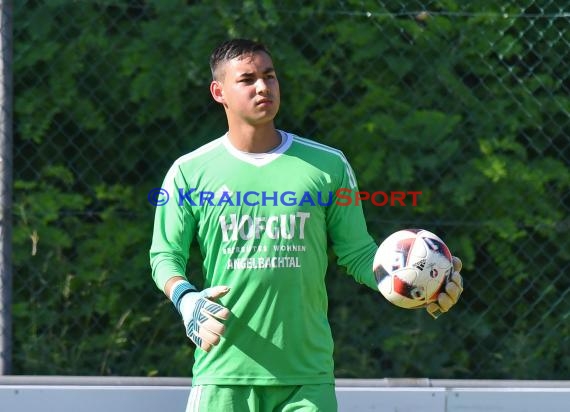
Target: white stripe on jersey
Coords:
[(320, 146), (169, 179), (193, 404)]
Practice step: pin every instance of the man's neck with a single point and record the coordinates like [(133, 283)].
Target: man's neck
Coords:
[(255, 139)]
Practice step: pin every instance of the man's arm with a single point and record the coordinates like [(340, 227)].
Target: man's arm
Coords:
[(169, 283), (174, 229), (347, 229), (356, 249)]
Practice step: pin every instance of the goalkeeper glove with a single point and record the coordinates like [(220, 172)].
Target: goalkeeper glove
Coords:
[(453, 289), (200, 314)]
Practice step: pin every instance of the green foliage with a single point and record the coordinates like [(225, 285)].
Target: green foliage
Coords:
[(466, 103)]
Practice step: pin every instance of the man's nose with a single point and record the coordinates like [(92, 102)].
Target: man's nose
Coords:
[(262, 87)]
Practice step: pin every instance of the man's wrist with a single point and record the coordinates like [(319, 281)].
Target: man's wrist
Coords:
[(178, 290)]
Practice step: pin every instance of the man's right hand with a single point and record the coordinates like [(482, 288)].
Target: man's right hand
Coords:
[(200, 315)]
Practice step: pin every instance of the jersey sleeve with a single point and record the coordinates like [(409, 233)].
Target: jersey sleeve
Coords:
[(174, 228), (351, 242)]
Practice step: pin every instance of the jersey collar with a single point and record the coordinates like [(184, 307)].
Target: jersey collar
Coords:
[(259, 159)]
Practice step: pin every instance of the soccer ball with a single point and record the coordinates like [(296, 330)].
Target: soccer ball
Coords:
[(411, 267)]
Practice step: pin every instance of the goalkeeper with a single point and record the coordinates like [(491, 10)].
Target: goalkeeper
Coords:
[(260, 323)]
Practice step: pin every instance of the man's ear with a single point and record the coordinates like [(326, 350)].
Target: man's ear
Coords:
[(217, 91)]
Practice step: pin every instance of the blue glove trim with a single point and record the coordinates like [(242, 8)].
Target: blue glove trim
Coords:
[(193, 327), (180, 290)]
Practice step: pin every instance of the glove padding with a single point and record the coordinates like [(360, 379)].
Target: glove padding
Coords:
[(453, 290), (199, 314)]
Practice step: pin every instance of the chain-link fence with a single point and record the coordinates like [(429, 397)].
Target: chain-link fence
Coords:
[(466, 102)]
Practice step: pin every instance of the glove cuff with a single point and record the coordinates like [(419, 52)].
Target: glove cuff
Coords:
[(178, 290)]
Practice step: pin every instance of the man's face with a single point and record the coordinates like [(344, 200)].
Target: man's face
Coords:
[(248, 88)]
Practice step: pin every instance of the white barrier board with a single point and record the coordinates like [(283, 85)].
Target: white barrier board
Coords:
[(119, 396), (509, 400)]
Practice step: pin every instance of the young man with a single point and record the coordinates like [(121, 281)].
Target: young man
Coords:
[(257, 202)]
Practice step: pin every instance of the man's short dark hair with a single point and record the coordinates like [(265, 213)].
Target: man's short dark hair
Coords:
[(232, 49)]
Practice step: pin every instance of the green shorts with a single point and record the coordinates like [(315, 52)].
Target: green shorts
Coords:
[(242, 398)]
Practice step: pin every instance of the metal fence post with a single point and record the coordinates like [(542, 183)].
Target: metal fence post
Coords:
[(6, 187)]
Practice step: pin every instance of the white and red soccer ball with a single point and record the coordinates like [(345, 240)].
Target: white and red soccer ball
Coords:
[(412, 267)]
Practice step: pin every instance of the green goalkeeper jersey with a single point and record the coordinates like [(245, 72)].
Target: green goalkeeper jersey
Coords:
[(261, 222)]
